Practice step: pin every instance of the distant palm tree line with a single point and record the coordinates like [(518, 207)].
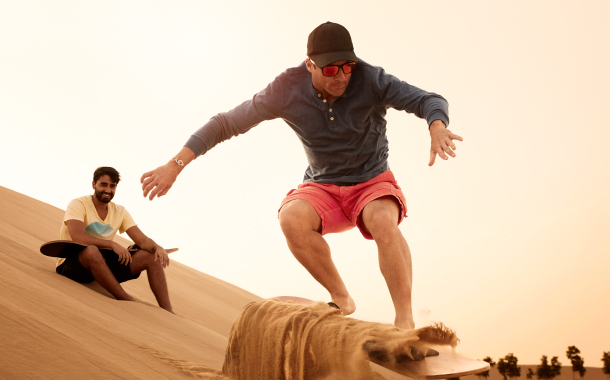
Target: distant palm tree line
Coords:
[(508, 368)]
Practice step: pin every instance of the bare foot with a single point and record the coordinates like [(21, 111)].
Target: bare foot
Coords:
[(152, 305), (346, 304)]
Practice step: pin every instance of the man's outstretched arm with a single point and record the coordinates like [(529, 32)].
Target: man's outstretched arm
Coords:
[(158, 182), (220, 128)]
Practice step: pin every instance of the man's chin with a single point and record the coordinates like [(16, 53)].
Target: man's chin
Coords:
[(337, 93), (103, 199)]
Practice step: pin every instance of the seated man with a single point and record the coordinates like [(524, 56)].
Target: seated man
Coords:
[(93, 220)]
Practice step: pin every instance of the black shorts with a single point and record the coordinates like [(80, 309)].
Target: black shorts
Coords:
[(74, 270)]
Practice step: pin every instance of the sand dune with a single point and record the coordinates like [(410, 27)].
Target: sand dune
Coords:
[(54, 328)]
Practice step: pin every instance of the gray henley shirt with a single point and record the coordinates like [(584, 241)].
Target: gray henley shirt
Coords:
[(345, 142)]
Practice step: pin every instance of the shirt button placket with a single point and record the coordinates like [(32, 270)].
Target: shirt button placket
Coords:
[(332, 119)]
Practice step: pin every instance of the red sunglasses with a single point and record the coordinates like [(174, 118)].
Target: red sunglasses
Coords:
[(332, 70)]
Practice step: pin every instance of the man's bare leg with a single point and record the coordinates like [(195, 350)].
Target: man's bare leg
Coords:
[(144, 260), (92, 259), (301, 225), (380, 219)]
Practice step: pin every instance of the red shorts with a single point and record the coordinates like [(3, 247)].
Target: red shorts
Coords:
[(340, 207)]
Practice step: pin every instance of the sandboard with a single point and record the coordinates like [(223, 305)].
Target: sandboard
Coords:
[(442, 366), (65, 248)]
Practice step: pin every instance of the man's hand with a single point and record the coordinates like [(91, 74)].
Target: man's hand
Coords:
[(158, 182), (124, 255), (442, 141), (160, 254), (147, 244)]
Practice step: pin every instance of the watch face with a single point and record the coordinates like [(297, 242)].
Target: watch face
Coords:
[(179, 162)]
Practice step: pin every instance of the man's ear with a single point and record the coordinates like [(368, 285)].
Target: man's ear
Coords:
[(309, 65), (93, 185)]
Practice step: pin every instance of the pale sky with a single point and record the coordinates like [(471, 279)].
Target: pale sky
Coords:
[(509, 240)]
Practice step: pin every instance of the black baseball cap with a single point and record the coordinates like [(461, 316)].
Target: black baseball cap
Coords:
[(328, 43)]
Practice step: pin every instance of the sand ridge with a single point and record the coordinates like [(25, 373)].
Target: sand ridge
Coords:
[(54, 328)]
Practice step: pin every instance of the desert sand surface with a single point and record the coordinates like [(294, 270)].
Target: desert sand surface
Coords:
[(54, 328), (593, 373)]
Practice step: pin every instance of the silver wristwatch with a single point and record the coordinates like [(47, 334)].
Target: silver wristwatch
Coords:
[(179, 162)]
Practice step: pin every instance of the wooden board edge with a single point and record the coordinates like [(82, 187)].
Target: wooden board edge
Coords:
[(416, 374), (42, 250)]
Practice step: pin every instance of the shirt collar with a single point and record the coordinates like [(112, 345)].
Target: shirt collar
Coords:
[(318, 95)]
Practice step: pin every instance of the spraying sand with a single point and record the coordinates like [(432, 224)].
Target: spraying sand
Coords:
[(279, 340)]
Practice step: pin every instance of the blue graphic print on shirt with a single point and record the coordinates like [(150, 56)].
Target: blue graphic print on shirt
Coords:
[(99, 230)]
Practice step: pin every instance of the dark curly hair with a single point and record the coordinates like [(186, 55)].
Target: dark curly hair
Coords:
[(106, 170)]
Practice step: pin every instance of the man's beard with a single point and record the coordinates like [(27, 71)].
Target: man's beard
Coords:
[(98, 195)]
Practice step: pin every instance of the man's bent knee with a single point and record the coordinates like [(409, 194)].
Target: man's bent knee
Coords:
[(144, 260), (298, 215), (91, 255), (153, 260), (381, 215)]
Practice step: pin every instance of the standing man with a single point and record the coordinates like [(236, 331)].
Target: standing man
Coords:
[(94, 220), (336, 104)]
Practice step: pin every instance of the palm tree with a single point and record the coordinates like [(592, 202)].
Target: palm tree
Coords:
[(578, 363), (548, 372), (555, 367), (606, 360), (543, 371), (485, 374), (508, 367), (503, 368)]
